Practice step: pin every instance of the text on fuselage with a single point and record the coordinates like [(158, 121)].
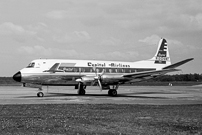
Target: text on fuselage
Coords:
[(90, 64)]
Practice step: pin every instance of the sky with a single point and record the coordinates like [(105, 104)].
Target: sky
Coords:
[(119, 30)]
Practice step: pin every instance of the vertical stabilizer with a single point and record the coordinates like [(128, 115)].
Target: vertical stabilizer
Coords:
[(162, 55)]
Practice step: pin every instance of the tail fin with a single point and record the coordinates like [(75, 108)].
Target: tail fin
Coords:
[(162, 55)]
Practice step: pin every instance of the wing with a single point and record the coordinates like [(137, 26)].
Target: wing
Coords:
[(153, 73)]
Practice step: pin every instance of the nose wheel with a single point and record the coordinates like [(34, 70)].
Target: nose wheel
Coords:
[(40, 94)]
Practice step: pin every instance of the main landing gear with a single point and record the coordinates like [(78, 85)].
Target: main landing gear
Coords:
[(113, 92), (81, 89)]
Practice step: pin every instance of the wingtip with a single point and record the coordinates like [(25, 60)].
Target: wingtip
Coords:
[(190, 59)]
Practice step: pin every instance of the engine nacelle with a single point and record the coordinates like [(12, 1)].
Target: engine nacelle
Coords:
[(112, 78), (105, 79), (87, 79)]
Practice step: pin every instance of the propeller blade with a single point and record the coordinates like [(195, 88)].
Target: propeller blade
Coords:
[(93, 83), (79, 85), (98, 77), (95, 69), (100, 84), (103, 71)]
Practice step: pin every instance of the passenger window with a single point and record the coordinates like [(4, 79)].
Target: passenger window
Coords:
[(101, 70), (68, 69), (75, 70), (110, 71), (87, 69), (116, 70)]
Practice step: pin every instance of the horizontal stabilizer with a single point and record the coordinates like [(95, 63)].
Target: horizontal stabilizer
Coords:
[(178, 64)]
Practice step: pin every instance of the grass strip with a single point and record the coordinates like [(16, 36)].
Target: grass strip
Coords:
[(100, 119)]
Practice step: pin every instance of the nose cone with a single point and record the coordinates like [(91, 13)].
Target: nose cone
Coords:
[(17, 77)]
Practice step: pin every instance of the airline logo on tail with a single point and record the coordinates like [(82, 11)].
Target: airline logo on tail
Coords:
[(162, 54)]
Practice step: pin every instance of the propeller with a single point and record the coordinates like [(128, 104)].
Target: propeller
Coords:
[(98, 77)]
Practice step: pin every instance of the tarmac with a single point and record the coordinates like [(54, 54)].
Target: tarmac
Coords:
[(148, 95)]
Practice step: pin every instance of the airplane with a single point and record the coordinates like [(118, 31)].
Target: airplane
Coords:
[(108, 75)]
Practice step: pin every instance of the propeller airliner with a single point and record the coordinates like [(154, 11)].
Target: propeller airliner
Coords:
[(108, 75)]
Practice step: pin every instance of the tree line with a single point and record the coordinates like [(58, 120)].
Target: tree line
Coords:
[(179, 78)]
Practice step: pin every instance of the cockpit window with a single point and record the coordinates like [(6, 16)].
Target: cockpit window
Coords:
[(31, 65)]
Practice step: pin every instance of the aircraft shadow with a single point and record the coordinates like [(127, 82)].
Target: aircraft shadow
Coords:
[(126, 95)]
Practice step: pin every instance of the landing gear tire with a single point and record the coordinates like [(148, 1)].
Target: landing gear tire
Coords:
[(112, 92), (40, 94), (81, 92)]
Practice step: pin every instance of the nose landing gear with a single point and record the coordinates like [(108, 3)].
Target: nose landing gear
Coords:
[(40, 93)]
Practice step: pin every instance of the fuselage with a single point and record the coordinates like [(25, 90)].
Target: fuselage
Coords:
[(71, 70)]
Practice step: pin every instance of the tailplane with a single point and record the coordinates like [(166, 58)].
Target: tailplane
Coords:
[(178, 64)]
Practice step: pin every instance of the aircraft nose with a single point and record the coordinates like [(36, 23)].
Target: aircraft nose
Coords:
[(17, 77)]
